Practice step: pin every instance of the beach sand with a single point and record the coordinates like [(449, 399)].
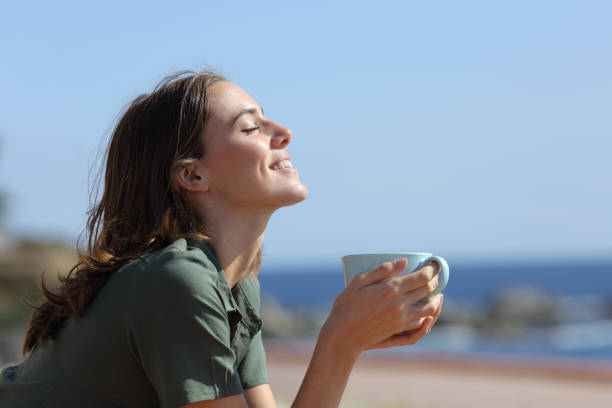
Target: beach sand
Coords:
[(394, 381)]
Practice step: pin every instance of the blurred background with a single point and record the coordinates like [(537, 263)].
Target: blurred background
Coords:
[(478, 131)]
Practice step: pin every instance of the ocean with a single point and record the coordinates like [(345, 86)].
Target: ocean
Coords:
[(579, 326)]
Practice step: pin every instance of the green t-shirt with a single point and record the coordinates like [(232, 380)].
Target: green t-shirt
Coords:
[(164, 331)]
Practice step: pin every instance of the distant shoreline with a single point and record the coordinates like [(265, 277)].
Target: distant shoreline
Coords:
[(553, 368)]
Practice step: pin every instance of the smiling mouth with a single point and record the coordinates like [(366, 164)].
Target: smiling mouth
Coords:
[(285, 164)]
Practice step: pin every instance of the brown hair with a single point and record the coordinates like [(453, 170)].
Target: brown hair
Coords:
[(141, 209)]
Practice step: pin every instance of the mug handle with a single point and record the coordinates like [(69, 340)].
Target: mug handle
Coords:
[(442, 276)]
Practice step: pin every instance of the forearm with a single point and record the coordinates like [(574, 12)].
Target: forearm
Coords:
[(373, 311), (327, 375)]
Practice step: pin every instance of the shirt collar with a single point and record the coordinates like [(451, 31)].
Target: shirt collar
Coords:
[(240, 306)]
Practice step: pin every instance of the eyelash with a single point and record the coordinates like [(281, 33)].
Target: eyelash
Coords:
[(247, 131)]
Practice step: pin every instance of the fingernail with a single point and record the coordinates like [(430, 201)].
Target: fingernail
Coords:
[(398, 262)]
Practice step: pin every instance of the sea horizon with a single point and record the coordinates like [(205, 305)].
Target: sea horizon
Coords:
[(579, 328)]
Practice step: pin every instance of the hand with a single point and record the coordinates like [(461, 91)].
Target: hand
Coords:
[(410, 337), (378, 310)]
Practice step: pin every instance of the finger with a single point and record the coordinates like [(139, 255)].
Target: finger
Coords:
[(419, 334), (383, 271), (397, 339), (437, 314), (439, 306), (420, 294), (418, 278), (412, 325), (428, 307), (436, 265), (405, 338)]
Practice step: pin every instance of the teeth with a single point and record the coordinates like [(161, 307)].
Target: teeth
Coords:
[(282, 165)]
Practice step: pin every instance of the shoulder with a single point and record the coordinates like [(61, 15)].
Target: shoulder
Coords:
[(185, 267)]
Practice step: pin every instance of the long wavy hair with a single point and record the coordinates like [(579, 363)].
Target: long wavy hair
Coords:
[(141, 208)]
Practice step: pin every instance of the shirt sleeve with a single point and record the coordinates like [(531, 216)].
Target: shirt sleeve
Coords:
[(252, 369), (182, 335)]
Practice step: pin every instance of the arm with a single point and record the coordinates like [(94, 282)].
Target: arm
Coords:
[(374, 311), (260, 396), (257, 397)]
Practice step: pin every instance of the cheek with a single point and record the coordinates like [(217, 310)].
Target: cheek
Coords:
[(250, 155), (240, 161)]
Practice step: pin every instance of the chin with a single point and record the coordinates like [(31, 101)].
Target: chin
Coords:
[(296, 196), (303, 194)]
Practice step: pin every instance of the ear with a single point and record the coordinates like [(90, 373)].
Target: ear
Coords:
[(191, 177)]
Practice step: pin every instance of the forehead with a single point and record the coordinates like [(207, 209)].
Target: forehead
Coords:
[(227, 100)]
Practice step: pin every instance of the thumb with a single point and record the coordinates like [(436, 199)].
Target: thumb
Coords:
[(382, 272)]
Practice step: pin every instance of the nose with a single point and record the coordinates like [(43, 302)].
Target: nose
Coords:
[(281, 137)]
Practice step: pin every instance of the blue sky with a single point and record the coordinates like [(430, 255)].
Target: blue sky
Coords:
[(470, 129)]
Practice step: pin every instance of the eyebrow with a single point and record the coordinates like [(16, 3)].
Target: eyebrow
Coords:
[(248, 111)]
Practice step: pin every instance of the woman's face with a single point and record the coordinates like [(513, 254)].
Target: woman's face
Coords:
[(246, 162)]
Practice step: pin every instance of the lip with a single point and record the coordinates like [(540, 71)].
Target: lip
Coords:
[(278, 161), (288, 169)]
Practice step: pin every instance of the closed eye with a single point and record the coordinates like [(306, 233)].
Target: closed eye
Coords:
[(250, 130)]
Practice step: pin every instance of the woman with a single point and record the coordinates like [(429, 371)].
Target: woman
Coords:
[(163, 309)]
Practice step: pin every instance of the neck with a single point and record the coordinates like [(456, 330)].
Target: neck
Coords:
[(236, 235)]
